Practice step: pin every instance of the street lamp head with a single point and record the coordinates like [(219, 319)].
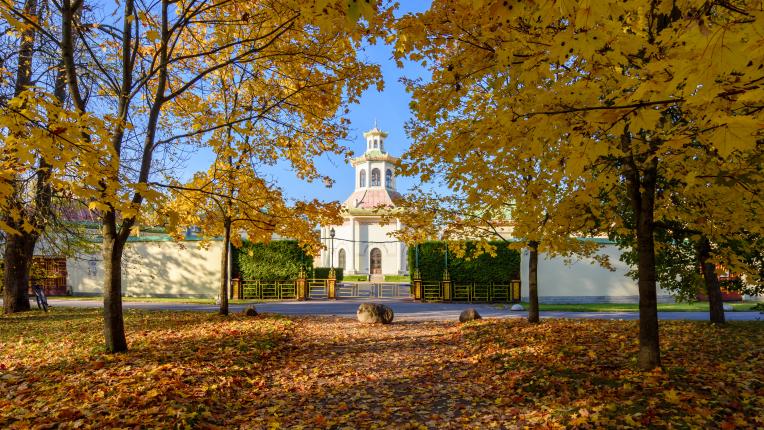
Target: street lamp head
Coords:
[(331, 232)]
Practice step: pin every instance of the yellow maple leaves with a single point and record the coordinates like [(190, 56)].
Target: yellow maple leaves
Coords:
[(73, 144)]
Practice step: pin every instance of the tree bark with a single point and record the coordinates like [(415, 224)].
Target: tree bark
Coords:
[(533, 290), (19, 250), (711, 280), (640, 181), (113, 247), (224, 269), (642, 192)]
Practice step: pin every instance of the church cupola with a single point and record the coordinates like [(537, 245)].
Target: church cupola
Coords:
[(375, 174), (375, 140)]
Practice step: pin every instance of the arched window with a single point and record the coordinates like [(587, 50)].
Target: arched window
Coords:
[(341, 259), (362, 180), (389, 178), (376, 143), (375, 178)]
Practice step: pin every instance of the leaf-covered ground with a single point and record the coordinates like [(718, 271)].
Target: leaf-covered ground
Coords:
[(194, 370)]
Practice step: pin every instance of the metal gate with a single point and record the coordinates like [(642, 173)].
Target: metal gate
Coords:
[(373, 290)]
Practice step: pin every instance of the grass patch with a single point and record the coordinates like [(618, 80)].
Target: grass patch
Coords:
[(355, 278), (397, 278), (581, 373), (179, 371), (195, 300), (633, 307), (200, 370)]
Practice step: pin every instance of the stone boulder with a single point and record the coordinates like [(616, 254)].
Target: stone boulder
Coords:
[(374, 313), (469, 315), (250, 311), (517, 307)]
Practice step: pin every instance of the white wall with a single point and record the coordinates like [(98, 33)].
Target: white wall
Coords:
[(367, 230), (582, 281), (162, 269)]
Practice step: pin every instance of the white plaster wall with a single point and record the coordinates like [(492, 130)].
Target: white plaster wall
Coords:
[(367, 229), (163, 269), (390, 250), (582, 281)]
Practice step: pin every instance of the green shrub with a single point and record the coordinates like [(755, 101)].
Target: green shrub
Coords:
[(356, 278), (323, 273), (484, 268), (397, 278), (274, 261)]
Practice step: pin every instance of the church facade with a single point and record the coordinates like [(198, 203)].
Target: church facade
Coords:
[(361, 244)]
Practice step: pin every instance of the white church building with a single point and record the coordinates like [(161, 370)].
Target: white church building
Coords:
[(361, 245)]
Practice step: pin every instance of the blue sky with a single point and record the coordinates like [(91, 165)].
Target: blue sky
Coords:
[(390, 108)]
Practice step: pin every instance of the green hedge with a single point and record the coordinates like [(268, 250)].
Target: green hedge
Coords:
[(274, 261), (484, 268), (397, 278), (323, 273)]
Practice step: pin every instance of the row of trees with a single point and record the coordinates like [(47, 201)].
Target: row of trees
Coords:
[(628, 118), (108, 101), (636, 120)]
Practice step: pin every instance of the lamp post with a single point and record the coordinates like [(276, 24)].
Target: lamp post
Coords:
[(416, 279), (331, 256), (446, 283), (331, 282)]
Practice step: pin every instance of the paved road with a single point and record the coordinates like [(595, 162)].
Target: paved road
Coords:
[(405, 310)]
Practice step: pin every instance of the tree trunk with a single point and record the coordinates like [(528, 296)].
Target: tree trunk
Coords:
[(642, 192), (713, 289), (19, 250), (224, 269), (533, 290), (113, 247)]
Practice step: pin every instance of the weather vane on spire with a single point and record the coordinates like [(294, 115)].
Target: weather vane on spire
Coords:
[(375, 123)]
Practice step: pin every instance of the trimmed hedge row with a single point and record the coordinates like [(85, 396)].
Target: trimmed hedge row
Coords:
[(484, 268), (323, 273), (275, 261)]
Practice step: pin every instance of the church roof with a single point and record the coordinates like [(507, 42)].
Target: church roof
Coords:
[(370, 198), (374, 155)]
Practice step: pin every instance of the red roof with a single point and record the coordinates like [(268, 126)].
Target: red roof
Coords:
[(370, 198)]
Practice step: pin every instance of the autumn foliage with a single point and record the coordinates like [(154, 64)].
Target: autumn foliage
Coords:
[(595, 117), (206, 371)]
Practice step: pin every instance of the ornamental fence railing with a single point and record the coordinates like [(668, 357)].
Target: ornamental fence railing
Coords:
[(427, 291), (256, 289), (373, 290), (447, 291)]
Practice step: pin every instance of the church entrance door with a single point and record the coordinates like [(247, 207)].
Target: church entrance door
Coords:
[(376, 261)]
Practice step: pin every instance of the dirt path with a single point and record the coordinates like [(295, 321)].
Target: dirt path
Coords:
[(402, 375)]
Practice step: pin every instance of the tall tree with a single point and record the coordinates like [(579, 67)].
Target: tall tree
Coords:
[(154, 77), (632, 91), (230, 200), (42, 147)]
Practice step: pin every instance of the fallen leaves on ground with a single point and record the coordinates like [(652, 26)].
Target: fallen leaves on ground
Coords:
[(193, 370)]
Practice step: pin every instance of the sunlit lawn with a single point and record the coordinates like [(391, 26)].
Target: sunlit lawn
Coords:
[(189, 300), (187, 369), (622, 307)]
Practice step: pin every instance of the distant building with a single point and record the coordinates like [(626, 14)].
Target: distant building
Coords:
[(361, 244)]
